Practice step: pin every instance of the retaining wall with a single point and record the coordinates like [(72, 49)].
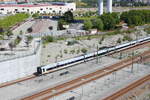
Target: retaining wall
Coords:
[(19, 67)]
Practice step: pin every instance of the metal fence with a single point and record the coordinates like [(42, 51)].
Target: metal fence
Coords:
[(68, 32)]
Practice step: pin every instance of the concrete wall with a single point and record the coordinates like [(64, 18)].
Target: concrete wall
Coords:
[(20, 67)]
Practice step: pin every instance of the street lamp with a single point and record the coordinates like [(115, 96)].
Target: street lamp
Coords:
[(82, 87), (54, 91)]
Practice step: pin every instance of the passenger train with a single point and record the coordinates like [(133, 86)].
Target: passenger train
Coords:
[(63, 64)]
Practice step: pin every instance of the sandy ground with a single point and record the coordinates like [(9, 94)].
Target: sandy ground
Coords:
[(42, 25), (38, 26), (49, 56), (23, 27)]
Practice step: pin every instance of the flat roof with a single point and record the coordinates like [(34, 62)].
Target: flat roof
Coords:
[(30, 5)]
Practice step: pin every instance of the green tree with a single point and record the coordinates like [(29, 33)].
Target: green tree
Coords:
[(17, 40), (8, 33), (68, 16), (84, 50), (88, 25), (135, 20), (116, 16), (108, 21), (30, 30), (61, 22), (35, 15), (136, 17), (48, 39), (98, 24)]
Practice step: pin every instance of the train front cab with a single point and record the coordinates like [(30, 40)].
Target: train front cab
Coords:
[(40, 70)]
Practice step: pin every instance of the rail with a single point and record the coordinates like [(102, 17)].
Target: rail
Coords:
[(128, 88)]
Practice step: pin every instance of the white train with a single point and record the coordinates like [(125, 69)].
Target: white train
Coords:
[(65, 63)]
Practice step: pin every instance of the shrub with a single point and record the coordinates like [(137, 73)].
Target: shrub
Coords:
[(48, 39), (36, 15), (65, 51), (119, 40), (127, 38), (84, 50), (17, 40), (88, 25), (49, 56), (29, 38), (69, 43), (147, 30), (98, 23), (89, 37), (29, 30), (78, 51), (72, 51)]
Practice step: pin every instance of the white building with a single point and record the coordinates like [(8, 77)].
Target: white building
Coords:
[(53, 8)]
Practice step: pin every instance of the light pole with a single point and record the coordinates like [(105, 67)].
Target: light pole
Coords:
[(97, 55), (95, 86), (132, 62), (82, 88), (54, 91)]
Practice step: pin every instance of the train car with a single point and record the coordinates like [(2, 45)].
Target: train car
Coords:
[(58, 65)]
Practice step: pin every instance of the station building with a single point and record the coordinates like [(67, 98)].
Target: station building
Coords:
[(48, 8)]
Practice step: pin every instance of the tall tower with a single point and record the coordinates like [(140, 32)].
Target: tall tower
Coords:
[(109, 6), (100, 7)]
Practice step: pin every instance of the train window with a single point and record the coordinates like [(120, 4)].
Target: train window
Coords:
[(2, 8), (16, 9), (43, 70)]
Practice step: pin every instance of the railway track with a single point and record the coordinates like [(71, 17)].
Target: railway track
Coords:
[(128, 88), (64, 87), (17, 81), (141, 45)]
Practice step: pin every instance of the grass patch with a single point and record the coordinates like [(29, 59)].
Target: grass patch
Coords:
[(9, 21), (88, 37), (85, 18)]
